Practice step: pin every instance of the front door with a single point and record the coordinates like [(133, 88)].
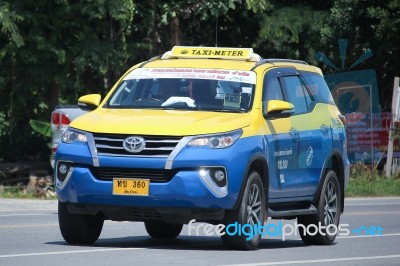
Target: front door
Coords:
[(282, 141)]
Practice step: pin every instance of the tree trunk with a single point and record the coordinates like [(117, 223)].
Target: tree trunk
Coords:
[(53, 95)]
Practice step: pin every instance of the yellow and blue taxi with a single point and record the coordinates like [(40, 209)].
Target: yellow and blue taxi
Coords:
[(216, 135)]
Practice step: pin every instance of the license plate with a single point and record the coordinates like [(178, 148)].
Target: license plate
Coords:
[(131, 187)]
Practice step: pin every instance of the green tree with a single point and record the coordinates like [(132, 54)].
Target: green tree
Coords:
[(193, 22), (292, 29), (54, 51), (67, 49), (368, 25), (8, 18)]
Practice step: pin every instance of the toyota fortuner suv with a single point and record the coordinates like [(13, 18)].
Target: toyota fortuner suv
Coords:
[(216, 135)]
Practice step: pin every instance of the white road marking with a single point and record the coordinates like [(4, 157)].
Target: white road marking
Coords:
[(67, 252), (44, 225), (339, 237), (316, 261), (393, 234), (32, 210), (27, 225), (26, 214), (372, 198), (371, 204), (370, 213), (205, 244)]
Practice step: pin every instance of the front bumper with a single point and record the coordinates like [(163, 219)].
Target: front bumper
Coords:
[(185, 190)]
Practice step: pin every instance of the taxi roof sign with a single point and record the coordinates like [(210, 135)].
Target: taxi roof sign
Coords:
[(212, 52)]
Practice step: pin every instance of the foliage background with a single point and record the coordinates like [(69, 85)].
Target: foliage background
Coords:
[(53, 51)]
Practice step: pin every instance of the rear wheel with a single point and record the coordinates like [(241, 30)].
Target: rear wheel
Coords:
[(249, 215), (327, 217), (79, 228), (162, 230)]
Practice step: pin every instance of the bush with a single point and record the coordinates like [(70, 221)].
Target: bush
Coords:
[(367, 182)]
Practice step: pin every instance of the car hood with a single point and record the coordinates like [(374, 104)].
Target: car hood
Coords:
[(160, 122)]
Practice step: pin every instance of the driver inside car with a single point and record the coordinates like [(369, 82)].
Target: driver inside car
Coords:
[(167, 88)]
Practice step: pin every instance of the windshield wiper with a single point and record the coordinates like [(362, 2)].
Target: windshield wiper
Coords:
[(225, 110)]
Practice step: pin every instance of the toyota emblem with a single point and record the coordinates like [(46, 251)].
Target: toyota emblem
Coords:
[(134, 144)]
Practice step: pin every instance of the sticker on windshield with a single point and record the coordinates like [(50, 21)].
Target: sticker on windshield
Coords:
[(247, 90), (193, 73), (232, 100)]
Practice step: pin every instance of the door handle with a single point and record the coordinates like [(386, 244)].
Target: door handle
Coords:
[(293, 132), (324, 128)]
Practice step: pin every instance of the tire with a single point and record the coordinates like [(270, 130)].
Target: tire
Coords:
[(162, 230), (250, 211), (79, 228), (328, 213)]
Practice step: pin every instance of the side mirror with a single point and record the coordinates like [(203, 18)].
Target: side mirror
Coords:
[(277, 108), (89, 102)]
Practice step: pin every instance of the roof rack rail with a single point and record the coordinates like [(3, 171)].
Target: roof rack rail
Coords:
[(150, 60), (278, 60)]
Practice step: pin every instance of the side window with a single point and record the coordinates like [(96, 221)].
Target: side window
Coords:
[(318, 87), (298, 94), (272, 90)]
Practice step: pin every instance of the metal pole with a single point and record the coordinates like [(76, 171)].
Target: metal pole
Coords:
[(393, 117), (372, 131)]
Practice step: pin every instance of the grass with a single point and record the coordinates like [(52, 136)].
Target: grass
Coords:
[(33, 187), (366, 183), (21, 192), (15, 192)]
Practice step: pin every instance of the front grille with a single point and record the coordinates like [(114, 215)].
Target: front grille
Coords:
[(156, 146), (154, 175)]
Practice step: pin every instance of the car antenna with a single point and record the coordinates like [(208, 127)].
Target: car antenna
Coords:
[(216, 32)]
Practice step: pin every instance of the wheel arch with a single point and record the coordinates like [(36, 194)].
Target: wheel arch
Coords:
[(257, 163), (333, 162)]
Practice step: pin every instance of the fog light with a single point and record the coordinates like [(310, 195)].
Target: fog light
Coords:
[(216, 179), (216, 174), (219, 175), (62, 173), (63, 169)]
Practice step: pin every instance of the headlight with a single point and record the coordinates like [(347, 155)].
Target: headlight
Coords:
[(218, 141), (71, 135)]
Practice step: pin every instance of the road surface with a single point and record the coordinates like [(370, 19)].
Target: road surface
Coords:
[(29, 235)]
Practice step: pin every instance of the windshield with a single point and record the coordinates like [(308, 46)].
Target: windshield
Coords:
[(178, 90)]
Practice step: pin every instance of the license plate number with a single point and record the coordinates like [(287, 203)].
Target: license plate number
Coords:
[(131, 187)]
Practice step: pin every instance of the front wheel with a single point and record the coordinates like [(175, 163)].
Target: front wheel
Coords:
[(247, 217), (79, 228), (322, 227), (162, 230)]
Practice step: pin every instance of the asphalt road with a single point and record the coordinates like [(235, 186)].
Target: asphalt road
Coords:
[(29, 235)]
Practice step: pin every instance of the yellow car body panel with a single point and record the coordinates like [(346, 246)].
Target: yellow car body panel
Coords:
[(160, 122)]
